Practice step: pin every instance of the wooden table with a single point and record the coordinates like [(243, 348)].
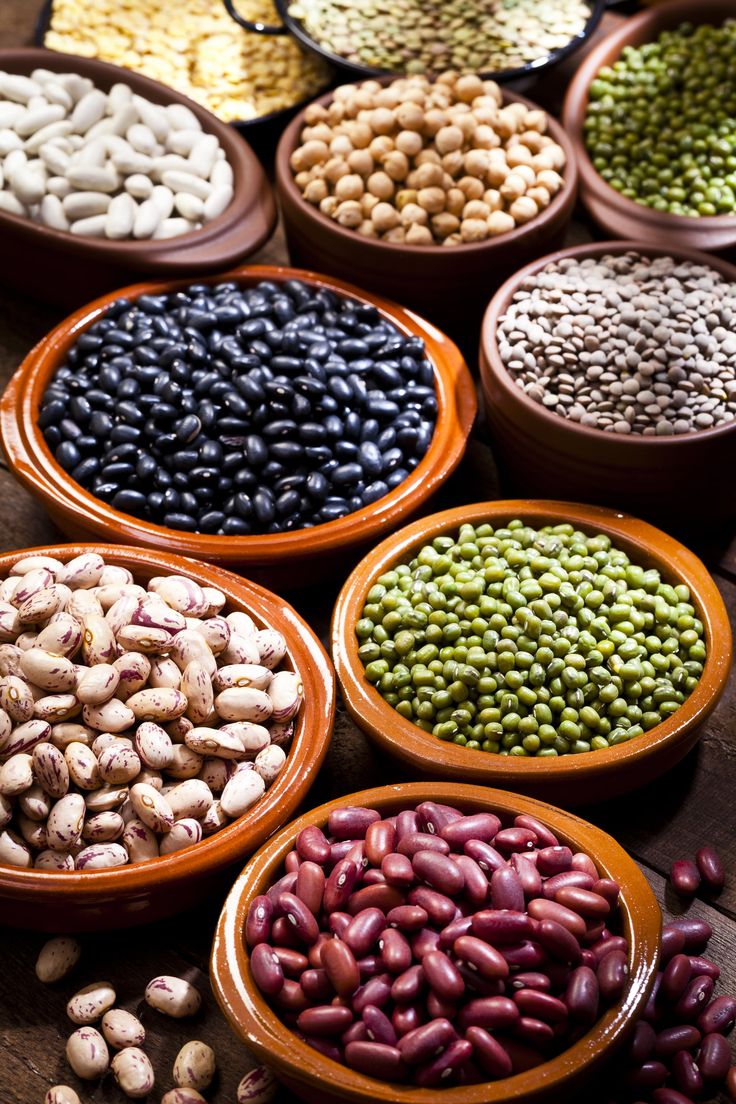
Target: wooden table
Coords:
[(691, 805)]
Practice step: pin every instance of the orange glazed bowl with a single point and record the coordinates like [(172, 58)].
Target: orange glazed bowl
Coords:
[(89, 900), (318, 1079), (285, 559), (569, 779)]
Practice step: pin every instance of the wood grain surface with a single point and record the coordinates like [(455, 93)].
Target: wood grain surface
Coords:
[(691, 805)]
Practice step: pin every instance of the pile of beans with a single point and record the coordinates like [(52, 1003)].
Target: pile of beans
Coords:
[(106, 164), (660, 125), (436, 947), (133, 722), (427, 163), (195, 47), (530, 642), (432, 35), (241, 410), (625, 343)]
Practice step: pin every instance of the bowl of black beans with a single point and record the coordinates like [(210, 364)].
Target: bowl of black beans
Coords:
[(228, 417)]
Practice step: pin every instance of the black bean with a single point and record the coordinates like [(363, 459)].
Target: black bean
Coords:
[(51, 412), (370, 459), (375, 491), (346, 474), (236, 527), (52, 436), (263, 505), (317, 485), (129, 502), (180, 521), (68, 455), (86, 471)]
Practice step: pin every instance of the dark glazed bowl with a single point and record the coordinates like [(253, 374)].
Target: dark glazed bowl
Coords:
[(451, 285), (62, 268), (618, 216), (320, 1080), (550, 456), (89, 900), (283, 560), (569, 779)]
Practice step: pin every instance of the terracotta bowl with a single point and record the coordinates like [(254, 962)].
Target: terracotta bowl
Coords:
[(621, 217), (548, 455), (449, 285), (280, 559), (138, 894), (569, 779), (62, 268), (315, 1078)]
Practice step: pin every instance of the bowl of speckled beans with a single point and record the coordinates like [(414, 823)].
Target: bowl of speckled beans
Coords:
[(564, 651), (609, 375)]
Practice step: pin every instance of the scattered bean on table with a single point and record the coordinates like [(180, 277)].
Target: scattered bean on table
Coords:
[(195, 1065), (625, 343), (424, 163), (241, 410), (525, 642), (647, 128), (107, 165), (174, 744)]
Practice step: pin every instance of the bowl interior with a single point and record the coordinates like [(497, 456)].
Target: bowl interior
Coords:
[(262, 1030)]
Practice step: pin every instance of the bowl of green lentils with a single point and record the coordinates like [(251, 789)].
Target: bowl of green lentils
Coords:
[(651, 114), (565, 651)]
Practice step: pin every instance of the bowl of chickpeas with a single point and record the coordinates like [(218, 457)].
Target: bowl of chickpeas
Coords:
[(434, 190)]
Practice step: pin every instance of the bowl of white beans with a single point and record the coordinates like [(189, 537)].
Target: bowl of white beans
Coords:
[(105, 174), (159, 718)]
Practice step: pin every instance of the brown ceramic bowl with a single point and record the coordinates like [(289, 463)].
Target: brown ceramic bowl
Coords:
[(569, 779), (449, 285), (621, 217), (317, 1079), (279, 559), (550, 456), (68, 270), (90, 900)]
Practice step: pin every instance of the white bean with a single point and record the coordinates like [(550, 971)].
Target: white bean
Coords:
[(120, 217)]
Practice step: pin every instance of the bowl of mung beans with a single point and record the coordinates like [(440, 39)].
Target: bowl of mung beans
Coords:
[(609, 374), (110, 176), (438, 1014), (160, 718), (650, 112), (436, 193), (532, 645), (295, 421)]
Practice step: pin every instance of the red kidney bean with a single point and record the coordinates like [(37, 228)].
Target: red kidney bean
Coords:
[(426, 1042), (489, 1012), (541, 1006), (383, 897), (356, 854), (380, 840), (342, 969), (714, 1058), (324, 1019), (583, 901), (476, 883), (554, 859), (528, 874), (442, 976), (694, 999), (287, 884), (672, 1039), (489, 963), (370, 966), (291, 997), (489, 1053), (453, 931), (292, 962), (481, 986), (340, 885), (266, 969), (304, 925), (514, 839), (407, 821), (330, 1050), (292, 862), (606, 944), (685, 877), (558, 941), (338, 851), (378, 1025), (397, 870), (523, 1056), (316, 986), (696, 932), (524, 956), (350, 822), (311, 844), (339, 922), (686, 1074), (413, 842), (314, 954), (409, 918), (531, 980), (480, 827), (719, 1016), (542, 909), (545, 835), (487, 857), (612, 974), (534, 1031), (649, 1075), (587, 958), (607, 888), (362, 930), (439, 908), (593, 933), (643, 1041), (499, 926), (409, 985), (669, 1096), (424, 941), (376, 1060), (283, 934), (437, 1008), (559, 975), (581, 861), (507, 892), (395, 951), (373, 877), (356, 1033), (433, 816), (581, 996), (731, 1082), (258, 921), (310, 885), (671, 943), (407, 1017), (439, 872), (700, 965), (676, 977), (442, 1068), (711, 868), (376, 991)]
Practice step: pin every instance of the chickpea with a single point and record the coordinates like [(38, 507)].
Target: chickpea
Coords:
[(329, 205), (532, 140), (444, 224), (343, 92), (341, 146), (473, 229), (476, 209), (312, 153), (493, 199), (432, 200), (320, 133), (335, 169), (468, 125), (385, 217), (382, 120), (359, 134), (361, 162), (335, 114), (468, 87), (506, 123), (387, 97), (527, 174), (450, 77), (363, 97), (485, 137), (536, 120), (380, 146), (418, 235), (315, 113), (476, 162), (372, 86), (518, 154), (412, 212), (396, 234), (487, 116), (302, 179), (448, 138), (455, 201), (492, 89), (500, 222), (365, 116), (367, 229), (380, 184), (349, 213), (349, 187), (409, 142), (497, 173), (427, 175), (453, 162), (471, 187), (396, 165), (434, 120), (409, 116), (523, 209), (541, 197), (550, 180), (453, 239), (368, 202), (428, 155), (405, 196), (316, 191), (513, 187)]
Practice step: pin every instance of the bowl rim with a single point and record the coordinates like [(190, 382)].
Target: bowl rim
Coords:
[(249, 187), (309, 745), (412, 745), (633, 32), (32, 462), (288, 191), (492, 366), (264, 1032)]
